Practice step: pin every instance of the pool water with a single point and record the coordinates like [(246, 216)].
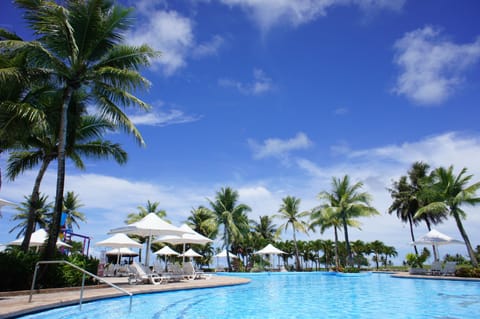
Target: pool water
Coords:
[(296, 295)]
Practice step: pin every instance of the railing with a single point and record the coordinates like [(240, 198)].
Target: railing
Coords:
[(83, 280)]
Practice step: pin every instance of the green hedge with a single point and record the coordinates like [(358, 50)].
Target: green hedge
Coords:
[(17, 270)]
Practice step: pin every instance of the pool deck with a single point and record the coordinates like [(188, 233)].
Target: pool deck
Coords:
[(14, 304)]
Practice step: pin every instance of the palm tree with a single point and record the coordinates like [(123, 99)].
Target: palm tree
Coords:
[(42, 149), (42, 214), (451, 192), (326, 217), (377, 248), (293, 218), (71, 204), (349, 204), (265, 228), (231, 216), (202, 220), (410, 195), (80, 45)]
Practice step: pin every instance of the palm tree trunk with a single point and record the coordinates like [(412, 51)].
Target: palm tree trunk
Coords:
[(57, 212), (227, 244), (337, 261), (410, 222), (33, 204), (297, 258), (347, 242), (471, 253)]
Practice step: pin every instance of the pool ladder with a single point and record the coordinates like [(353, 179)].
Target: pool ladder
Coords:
[(37, 265)]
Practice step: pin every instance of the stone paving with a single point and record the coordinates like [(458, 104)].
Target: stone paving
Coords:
[(15, 304)]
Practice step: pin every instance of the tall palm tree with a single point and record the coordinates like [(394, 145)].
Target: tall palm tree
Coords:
[(293, 218), (377, 247), (202, 220), (451, 191), (42, 214), (326, 217), (80, 44), (265, 228), (232, 216), (71, 204), (349, 203), (42, 150)]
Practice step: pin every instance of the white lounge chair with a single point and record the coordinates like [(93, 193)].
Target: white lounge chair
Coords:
[(141, 275), (449, 269), (190, 273), (436, 268)]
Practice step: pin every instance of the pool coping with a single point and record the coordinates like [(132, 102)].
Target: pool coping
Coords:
[(14, 304)]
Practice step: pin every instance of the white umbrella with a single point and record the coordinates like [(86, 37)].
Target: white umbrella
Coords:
[(166, 251), (4, 202), (223, 254), (149, 226), (270, 250), (38, 239), (123, 251), (191, 253), (189, 237), (436, 238), (119, 241)]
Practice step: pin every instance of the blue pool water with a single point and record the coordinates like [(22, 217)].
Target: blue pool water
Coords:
[(300, 295)]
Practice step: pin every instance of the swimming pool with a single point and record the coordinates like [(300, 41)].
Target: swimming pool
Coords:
[(296, 295)]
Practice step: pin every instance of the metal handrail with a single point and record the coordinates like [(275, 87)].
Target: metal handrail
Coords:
[(37, 265)]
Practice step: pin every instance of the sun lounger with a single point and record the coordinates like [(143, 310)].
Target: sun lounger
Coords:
[(436, 268), (449, 269), (190, 273), (142, 275)]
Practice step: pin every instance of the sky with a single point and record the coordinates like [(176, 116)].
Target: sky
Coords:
[(274, 98)]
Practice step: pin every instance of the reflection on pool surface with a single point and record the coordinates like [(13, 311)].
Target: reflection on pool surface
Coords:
[(297, 295)]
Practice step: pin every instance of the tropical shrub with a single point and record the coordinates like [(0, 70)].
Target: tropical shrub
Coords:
[(467, 271), (17, 269)]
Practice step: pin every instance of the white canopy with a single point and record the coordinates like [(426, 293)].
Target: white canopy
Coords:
[(189, 237), (119, 241), (270, 250), (436, 238), (223, 254), (166, 251), (149, 226), (123, 251), (191, 253), (4, 202), (38, 239)]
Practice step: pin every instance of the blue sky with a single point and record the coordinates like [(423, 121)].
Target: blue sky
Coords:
[(273, 98)]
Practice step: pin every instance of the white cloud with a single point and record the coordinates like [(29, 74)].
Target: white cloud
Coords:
[(274, 147), (431, 66), (172, 34), (268, 13), (209, 48), (163, 118), (341, 111), (261, 84)]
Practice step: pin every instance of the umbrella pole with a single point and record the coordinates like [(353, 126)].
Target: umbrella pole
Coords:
[(183, 254), (147, 253)]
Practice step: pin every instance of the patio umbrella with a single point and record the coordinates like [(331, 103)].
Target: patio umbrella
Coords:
[(189, 237), (4, 202), (149, 226), (166, 251), (127, 252), (119, 241), (223, 254), (38, 239), (436, 238), (191, 253), (270, 250)]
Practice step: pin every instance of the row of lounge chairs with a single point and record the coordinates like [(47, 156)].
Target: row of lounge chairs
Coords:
[(436, 269), (141, 274)]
